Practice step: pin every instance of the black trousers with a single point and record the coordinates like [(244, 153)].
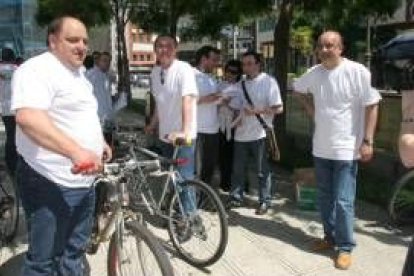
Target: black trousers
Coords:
[(10, 145), (207, 147), (225, 161)]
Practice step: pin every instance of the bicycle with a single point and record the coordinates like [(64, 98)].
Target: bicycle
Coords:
[(133, 249), (199, 235), (401, 204), (9, 207)]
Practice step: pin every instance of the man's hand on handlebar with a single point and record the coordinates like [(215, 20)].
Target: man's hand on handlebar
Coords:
[(179, 138), (86, 162), (107, 153)]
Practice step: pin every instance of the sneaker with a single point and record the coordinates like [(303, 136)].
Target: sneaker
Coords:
[(262, 209), (321, 245), (343, 261), (233, 203)]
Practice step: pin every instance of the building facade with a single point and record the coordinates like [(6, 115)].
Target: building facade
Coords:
[(18, 28)]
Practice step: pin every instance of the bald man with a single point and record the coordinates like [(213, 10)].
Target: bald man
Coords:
[(344, 107), (57, 130)]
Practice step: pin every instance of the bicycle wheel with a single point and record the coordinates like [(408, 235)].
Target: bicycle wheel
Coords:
[(134, 251), (401, 204), (200, 235), (9, 208)]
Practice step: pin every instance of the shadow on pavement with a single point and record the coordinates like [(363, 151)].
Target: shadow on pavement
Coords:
[(12, 266)]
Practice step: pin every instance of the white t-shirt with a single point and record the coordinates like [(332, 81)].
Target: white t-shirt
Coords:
[(340, 97), (102, 90), (6, 73), (179, 81), (264, 92), (44, 83), (226, 113), (207, 113)]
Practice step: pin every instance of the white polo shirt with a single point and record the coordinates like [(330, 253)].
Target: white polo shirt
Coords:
[(340, 96), (264, 92), (44, 83), (207, 113), (179, 81)]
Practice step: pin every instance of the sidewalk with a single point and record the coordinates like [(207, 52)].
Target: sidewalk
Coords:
[(274, 244)]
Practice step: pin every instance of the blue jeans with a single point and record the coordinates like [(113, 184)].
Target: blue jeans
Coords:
[(336, 197), (59, 223), (186, 171), (257, 150)]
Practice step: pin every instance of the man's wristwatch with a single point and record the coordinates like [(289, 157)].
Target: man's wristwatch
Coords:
[(367, 142)]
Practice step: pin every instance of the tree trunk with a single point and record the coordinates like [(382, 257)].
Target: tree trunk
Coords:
[(126, 83), (122, 54), (173, 18), (281, 53)]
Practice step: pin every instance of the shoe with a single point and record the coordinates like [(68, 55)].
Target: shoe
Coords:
[(321, 245), (262, 209), (343, 261), (233, 203), (182, 229)]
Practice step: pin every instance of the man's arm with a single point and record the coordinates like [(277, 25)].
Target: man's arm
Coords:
[(187, 113), (272, 110), (208, 99), (406, 137), (306, 101), (150, 128), (371, 117), (39, 127)]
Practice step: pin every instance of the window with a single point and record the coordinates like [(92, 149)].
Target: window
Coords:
[(141, 57), (148, 57), (134, 57)]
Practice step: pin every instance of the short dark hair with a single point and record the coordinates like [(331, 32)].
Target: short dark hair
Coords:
[(236, 64), (170, 36), (257, 57), (205, 52), (55, 26), (106, 54), (8, 55), (88, 62)]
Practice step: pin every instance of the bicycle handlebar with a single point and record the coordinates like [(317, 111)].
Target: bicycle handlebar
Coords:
[(116, 167)]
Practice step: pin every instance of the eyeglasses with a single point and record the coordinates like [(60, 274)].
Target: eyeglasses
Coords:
[(162, 75)]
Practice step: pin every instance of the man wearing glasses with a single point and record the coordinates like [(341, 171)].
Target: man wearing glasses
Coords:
[(175, 92), (345, 109)]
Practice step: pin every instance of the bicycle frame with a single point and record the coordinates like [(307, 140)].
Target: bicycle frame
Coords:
[(172, 180), (115, 222)]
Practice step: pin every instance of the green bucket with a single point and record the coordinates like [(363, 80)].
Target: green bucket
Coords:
[(307, 198)]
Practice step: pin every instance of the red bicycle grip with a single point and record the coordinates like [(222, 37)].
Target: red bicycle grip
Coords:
[(82, 167)]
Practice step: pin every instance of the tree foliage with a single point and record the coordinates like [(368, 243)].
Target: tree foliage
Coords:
[(91, 12), (202, 17)]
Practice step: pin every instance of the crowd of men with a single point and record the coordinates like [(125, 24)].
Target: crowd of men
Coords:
[(62, 109)]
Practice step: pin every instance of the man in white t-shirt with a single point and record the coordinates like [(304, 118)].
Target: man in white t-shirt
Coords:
[(7, 68), (345, 109), (207, 59), (61, 145), (102, 89), (250, 135), (175, 92)]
